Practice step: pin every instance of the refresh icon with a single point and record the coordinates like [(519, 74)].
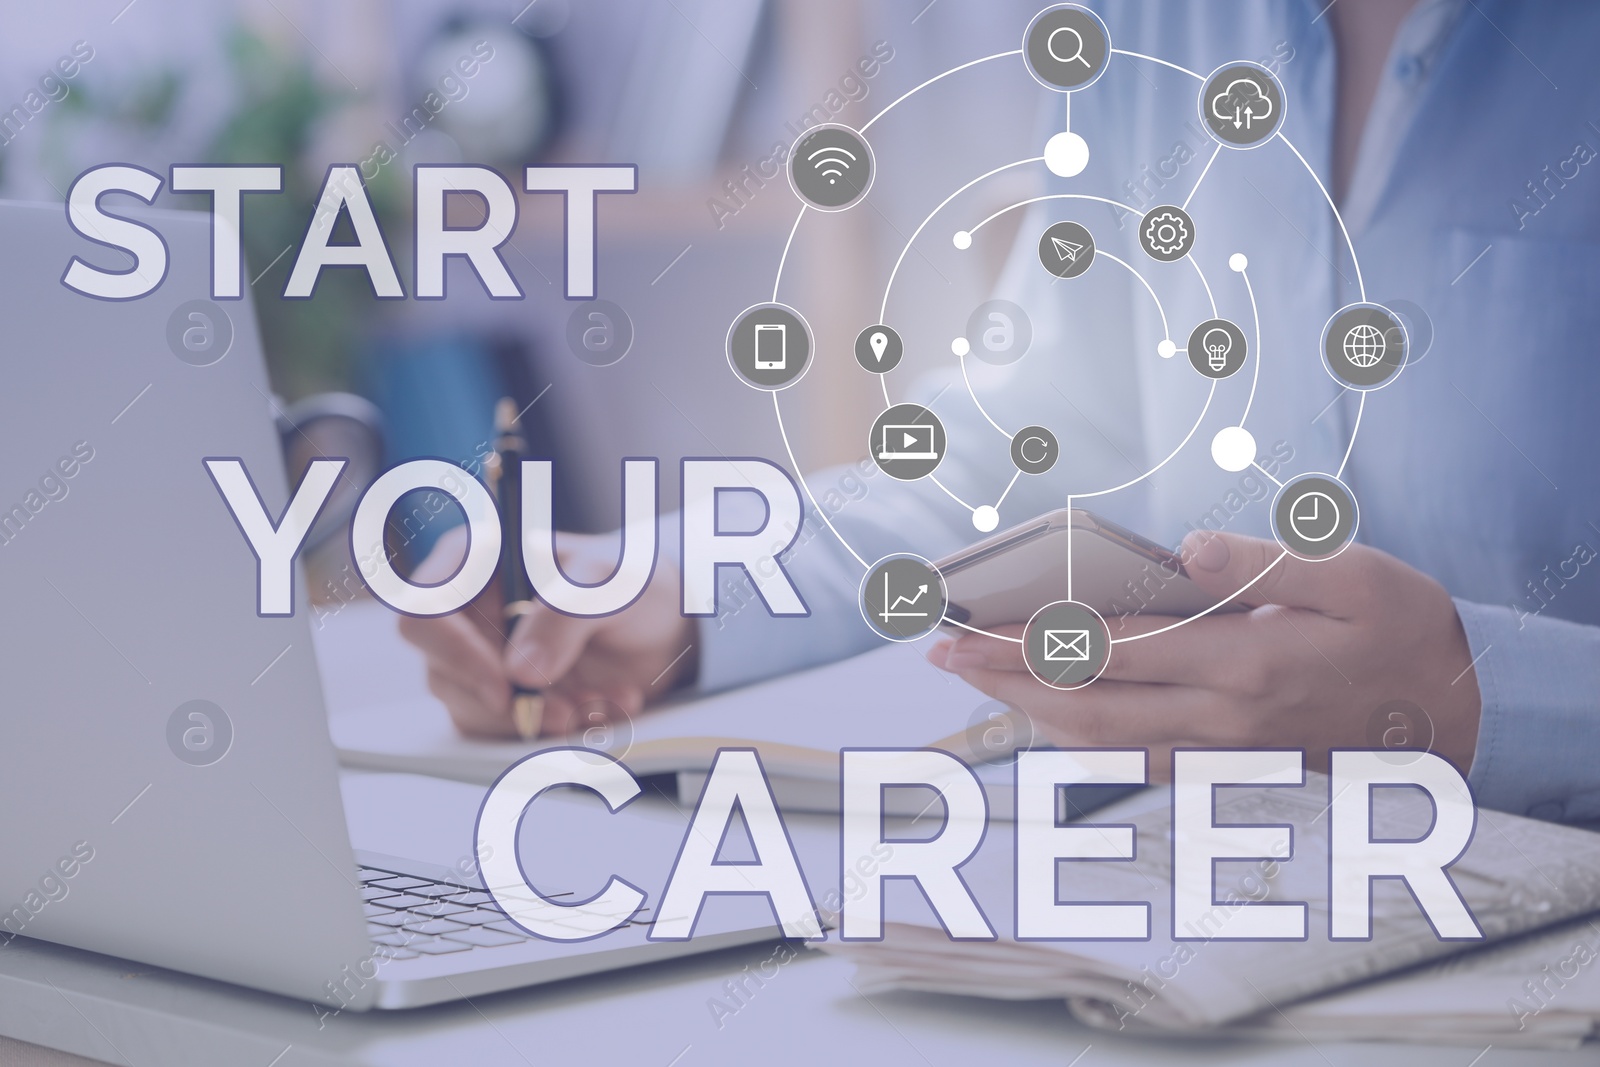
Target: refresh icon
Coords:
[(1034, 450)]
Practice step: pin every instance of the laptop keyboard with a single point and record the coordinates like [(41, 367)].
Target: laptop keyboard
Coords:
[(409, 917)]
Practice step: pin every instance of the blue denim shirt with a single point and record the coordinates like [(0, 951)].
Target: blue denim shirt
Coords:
[(1474, 211)]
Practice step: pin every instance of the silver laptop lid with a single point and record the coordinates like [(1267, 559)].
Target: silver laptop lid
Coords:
[(169, 791)]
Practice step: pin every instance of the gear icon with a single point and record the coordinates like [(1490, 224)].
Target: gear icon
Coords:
[(1167, 233)]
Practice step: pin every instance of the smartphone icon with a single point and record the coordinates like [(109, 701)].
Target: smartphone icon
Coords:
[(771, 346)]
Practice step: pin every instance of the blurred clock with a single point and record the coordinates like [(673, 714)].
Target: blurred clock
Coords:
[(495, 84)]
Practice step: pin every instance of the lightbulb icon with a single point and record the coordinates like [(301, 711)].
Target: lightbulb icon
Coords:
[(1217, 344)]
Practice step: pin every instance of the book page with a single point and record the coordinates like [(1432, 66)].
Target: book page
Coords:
[(1517, 875), (889, 697), (1540, 990)]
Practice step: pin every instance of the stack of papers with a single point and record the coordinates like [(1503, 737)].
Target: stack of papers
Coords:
[(1533, 981)]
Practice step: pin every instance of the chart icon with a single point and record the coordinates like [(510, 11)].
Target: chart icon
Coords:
[(903, 597)]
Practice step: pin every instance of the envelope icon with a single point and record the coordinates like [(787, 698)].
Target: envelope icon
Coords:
[(1066, 646)]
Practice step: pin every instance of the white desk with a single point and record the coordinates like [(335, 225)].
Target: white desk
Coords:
[(654, 1016)]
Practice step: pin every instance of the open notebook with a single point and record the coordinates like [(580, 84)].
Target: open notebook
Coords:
[(887, 698)]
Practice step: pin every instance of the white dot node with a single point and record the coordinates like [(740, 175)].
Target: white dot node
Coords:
[(960, 346), (985, 518), (1233, 448), (962, 240), (1066, 154), (1238, 262), (1166, 349)]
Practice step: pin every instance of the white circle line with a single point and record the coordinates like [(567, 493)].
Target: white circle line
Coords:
[(895, 103), (1255, 377), (1354, 429), (801, 478), (1181, 444), (1207, 170), (1166, 331), (978, 403), (1070, 525), (1196, 264), (1009, 484), (785, 257), (986, 633), (1153, 59), (883, 309), (1055, 196), (932, 478), (1354, 260), (1221, 603)]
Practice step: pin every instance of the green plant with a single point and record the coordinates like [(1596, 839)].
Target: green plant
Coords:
[(310, 344)]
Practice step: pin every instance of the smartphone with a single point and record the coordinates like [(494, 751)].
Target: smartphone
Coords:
[(771, 346), (1007, 577)]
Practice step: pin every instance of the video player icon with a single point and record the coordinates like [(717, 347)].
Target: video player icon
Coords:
[(907, 442)]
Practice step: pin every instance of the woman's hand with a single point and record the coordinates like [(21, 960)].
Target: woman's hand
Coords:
[(589, 669), (1320, 662)]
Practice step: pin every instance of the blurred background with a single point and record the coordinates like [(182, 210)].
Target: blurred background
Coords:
[(704, 96)]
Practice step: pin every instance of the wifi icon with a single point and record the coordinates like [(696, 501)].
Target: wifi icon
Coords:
[(830, 167), (832, 163)]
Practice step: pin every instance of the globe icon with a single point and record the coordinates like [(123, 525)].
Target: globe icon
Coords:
[(1363, 346)]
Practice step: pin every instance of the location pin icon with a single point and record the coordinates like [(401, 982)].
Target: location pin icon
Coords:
[(879, 342)]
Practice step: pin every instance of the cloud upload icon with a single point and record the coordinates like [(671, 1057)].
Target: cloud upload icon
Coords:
[(1242, 103)]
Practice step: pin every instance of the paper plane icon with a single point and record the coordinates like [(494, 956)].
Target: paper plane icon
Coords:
[(1066, 251)]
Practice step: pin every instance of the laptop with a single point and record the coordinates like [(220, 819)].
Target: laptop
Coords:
[(171, 794)]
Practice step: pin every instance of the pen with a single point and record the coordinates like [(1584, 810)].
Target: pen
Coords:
[(527, 705)]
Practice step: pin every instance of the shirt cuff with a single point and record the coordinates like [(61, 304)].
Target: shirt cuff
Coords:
[(744, 643), (1538, 748)]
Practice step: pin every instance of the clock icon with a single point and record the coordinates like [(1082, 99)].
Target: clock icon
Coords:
[(1314, 516)]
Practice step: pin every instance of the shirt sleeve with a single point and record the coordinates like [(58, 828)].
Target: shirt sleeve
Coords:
[(1539, 736), (854, 516), (877, 516)]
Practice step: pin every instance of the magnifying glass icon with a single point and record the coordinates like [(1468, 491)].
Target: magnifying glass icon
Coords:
[(1076, 56)]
